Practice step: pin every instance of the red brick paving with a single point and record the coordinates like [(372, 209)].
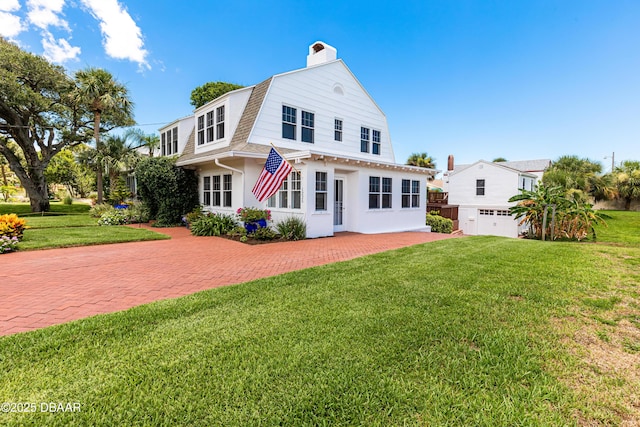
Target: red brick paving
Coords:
[(48, 287)]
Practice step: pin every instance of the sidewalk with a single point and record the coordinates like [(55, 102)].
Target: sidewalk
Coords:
[(48, 287)]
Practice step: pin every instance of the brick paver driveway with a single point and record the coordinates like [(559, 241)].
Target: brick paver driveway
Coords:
[(43, 288)]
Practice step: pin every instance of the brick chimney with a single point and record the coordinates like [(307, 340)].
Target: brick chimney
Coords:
[(450, 163)]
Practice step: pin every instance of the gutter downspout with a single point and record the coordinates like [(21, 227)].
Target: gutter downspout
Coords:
[(217, 162)]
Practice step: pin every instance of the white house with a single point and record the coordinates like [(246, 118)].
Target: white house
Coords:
[(482, 190), (328, 127)]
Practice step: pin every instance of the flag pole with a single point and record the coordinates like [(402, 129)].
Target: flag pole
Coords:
[(283, 158)]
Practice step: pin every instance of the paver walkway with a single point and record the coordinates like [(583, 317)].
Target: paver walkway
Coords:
[(48, 287)]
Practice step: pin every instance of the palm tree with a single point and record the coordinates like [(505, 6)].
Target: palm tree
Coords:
[(108, 101), (422, 160), (116, 154), (574, 218), (150, 141), (627, 177), (580, 177)]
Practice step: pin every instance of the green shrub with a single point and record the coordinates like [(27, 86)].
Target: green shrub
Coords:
[(213, 225), (137, 212), (264, 233), (238, 230), (439, 224), (114, 217), (68, 200), (98, 210), (192, 216), (292, 228), (168, 190)]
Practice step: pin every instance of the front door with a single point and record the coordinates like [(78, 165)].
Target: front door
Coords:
[(338, 205)]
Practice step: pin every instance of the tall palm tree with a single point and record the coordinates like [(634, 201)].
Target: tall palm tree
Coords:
[(108, 101)]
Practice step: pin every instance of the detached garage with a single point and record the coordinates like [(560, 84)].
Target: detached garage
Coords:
[(482, 190)]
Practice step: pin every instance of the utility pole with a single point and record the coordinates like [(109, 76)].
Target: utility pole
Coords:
[(613, 160)]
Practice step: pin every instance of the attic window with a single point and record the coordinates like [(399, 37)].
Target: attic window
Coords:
[(318, 47)]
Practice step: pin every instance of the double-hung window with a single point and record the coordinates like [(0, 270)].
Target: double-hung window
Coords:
[(321, 191), (216, 190), (480, 186), (410, 193), (364, 139), (200, 130), (288, 122), (307, 125), (220, 122), (374, 192), (168, 139), (175, 140), (375, 147), (210, 126), (415, 194), (337, 130), (289, 196), (206, 191), (226, 190), (386, 193), (163, 147), (380, 192)]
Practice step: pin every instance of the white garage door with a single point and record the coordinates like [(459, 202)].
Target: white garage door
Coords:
[(496, 222)]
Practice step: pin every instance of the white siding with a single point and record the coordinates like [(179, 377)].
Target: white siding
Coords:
[(316, 90), (185, 126), (234, 103)]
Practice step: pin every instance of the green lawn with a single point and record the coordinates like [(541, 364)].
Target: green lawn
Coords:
[(622, 227), (57, 208), (71, 225), (481, 331)]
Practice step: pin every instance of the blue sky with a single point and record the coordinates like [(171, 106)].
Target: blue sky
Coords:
[(476, 79)]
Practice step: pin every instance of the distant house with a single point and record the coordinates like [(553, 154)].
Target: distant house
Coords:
[(482, 190), (323, 121)]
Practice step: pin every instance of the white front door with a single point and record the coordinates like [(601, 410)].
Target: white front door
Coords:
[(338, 205)]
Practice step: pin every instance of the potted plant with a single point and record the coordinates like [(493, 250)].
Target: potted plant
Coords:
[(254, 218)]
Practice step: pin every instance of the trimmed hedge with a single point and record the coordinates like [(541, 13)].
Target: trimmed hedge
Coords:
[(439, 224)]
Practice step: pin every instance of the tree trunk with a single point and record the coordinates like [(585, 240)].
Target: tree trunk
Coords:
[(627, 204), (96, 136), (32, 179)]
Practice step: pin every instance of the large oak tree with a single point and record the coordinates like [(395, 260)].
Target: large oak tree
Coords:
[(42, 109)]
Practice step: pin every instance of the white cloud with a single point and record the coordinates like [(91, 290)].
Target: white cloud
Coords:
[(122, 36), (46, 13), (58, 50), (10, 25), (9, 5)]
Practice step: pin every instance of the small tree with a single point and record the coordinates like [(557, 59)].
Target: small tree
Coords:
[(210, 91), (549, 211), (168, 190)]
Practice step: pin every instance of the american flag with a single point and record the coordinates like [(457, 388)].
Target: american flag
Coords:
[(274, 172)]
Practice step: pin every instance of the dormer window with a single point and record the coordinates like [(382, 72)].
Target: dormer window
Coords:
[(200, 130), (210, 126), (220, 122)]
